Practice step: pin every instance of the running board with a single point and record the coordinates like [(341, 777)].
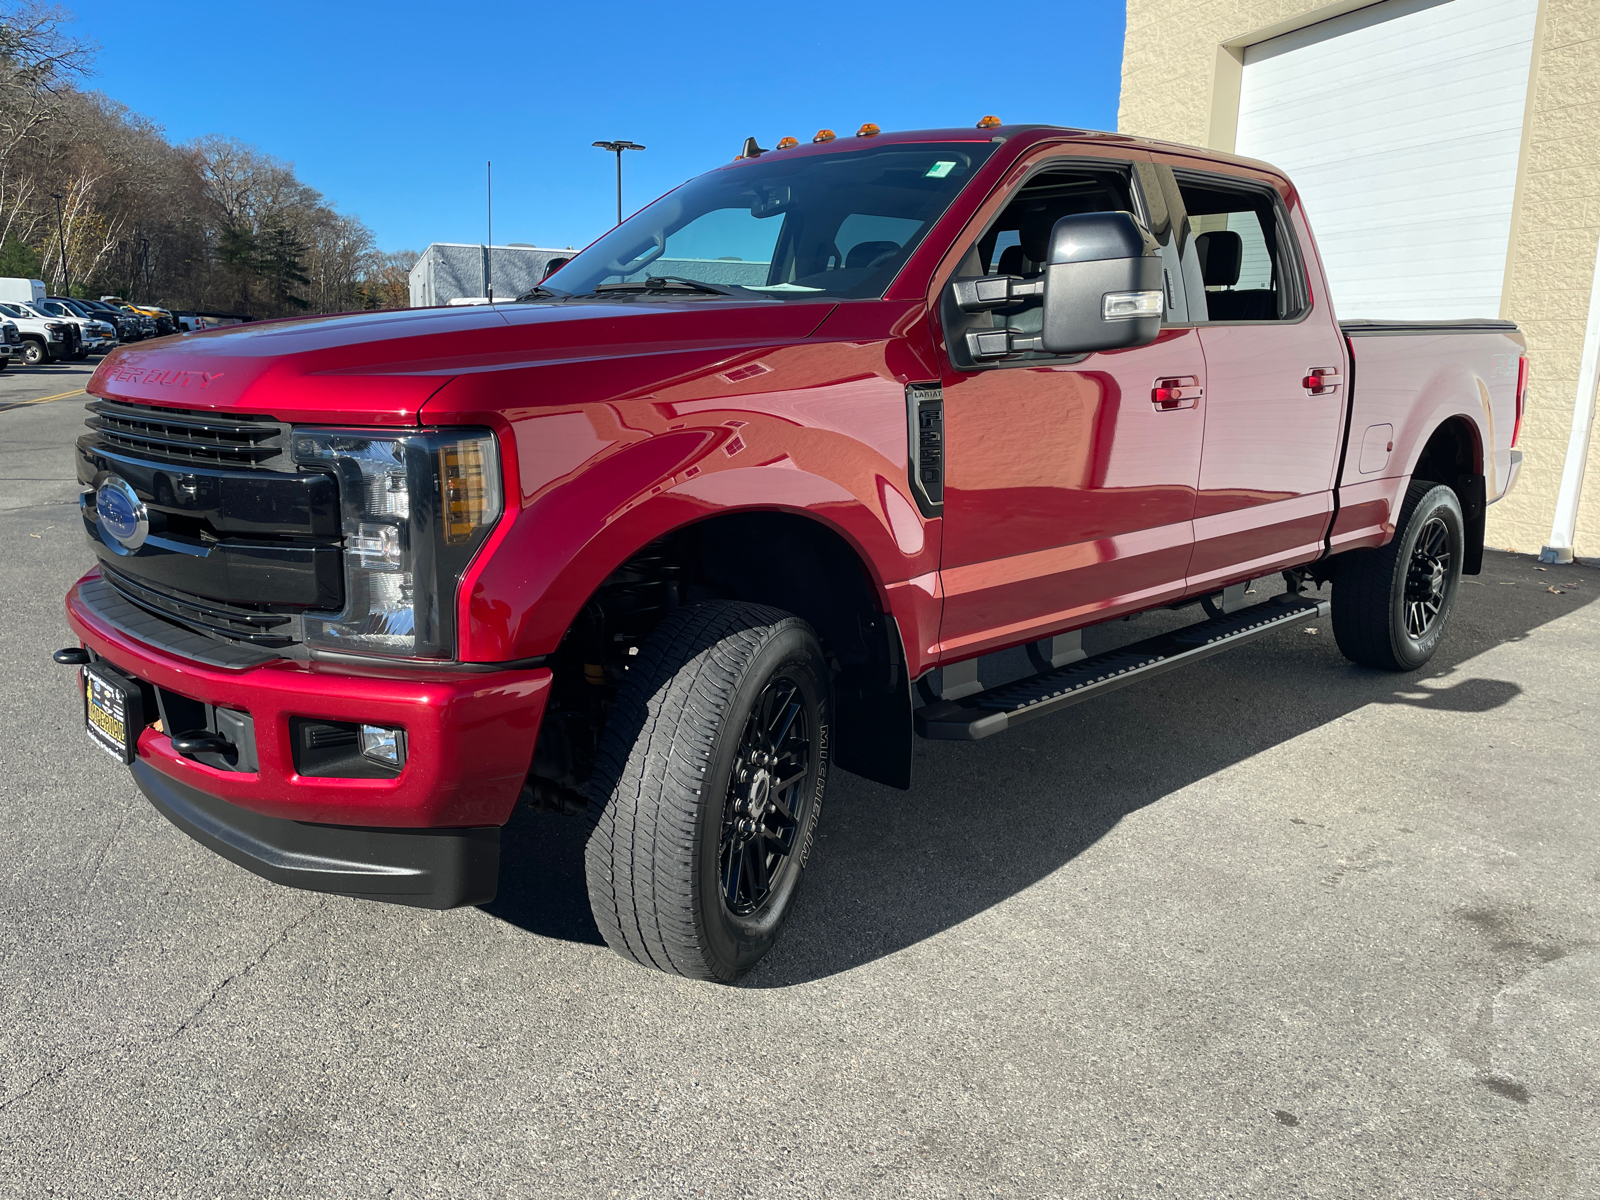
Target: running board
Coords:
[(985, 714)]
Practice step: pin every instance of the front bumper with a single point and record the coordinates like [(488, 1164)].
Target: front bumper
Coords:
[(470, 734), (425, 868)]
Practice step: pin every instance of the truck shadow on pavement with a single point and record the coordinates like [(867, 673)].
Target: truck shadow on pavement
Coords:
[(985, 821)]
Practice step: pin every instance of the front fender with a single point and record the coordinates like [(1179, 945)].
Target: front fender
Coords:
[(601, 484)]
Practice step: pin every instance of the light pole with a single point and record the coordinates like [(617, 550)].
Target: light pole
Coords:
[(61, 233), (617, 148)]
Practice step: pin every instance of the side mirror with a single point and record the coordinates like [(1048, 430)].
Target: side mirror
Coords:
[(1102, 290)]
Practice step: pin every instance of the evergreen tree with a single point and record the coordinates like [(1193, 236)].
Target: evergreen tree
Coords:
[(236, 250), (19, 260), (280, 263)]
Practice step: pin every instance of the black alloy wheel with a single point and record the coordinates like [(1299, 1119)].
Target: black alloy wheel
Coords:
[(1426, 578), (761, 814)]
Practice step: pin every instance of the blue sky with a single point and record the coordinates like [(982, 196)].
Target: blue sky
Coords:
[(391, 109)]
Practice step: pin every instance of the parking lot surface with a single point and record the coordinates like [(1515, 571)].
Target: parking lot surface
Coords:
[(1273, 926)]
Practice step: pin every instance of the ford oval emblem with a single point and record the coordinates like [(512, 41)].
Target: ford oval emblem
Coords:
[(123, 516)]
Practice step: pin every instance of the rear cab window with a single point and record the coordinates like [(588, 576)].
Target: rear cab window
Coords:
[(1241, 261)]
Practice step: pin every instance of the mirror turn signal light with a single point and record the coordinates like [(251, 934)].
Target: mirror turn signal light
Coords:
[(990, 122)]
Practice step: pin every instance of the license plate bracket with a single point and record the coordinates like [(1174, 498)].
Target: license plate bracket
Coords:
[(113, 711)]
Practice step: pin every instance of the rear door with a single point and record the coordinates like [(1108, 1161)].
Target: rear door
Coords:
[(1069, 487), (1276, 380)]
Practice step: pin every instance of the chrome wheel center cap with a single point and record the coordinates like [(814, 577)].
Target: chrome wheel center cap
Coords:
[(760, 793)]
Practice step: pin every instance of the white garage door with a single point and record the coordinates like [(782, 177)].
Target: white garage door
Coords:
[(1400, 123)]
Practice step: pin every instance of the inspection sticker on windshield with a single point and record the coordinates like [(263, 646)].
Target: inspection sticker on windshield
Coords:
[(940, 169)]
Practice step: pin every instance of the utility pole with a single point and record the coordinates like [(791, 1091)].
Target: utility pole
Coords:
[(62, 234), (488, 254), (617, 148)]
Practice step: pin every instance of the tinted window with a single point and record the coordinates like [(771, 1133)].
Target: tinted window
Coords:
[(1018, 240), (1241, 255)]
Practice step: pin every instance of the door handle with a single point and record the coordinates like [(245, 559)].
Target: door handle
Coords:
[(1320, 381), (1182, 391)]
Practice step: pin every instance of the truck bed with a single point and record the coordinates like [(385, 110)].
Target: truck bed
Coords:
[(1408, 379)]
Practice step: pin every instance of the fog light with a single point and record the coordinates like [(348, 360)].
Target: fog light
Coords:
[(384, 745)]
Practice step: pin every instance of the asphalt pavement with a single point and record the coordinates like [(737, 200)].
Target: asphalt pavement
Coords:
[(1272, 926)]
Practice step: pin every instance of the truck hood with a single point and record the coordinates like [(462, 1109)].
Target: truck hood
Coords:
[(381, 368)]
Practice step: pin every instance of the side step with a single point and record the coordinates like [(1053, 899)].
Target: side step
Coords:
[(972, 718)]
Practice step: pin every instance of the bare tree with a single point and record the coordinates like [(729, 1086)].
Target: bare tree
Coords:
[(38, 62), (216, 223), (388, 284)]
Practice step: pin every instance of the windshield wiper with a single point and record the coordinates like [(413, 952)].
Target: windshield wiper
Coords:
[(539, 290), (665, 283)]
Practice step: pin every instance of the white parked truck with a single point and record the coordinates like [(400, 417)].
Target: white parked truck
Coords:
[(21, 291), (43, 341)]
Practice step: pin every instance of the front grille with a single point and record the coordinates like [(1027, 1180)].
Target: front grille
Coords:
[(183, 435), (212, 617)]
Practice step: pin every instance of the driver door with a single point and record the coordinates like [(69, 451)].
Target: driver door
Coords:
[(1069, 487)]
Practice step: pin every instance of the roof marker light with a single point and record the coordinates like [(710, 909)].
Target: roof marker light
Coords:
[(787, 143), (990, 123), (868, 130), (824, 135)]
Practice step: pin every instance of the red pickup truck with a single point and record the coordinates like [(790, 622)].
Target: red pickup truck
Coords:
[(756, 487)]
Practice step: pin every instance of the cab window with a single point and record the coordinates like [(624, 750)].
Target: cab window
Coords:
[(1017, 243), (1241, 255)]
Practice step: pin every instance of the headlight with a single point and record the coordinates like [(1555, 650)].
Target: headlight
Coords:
[(416, 507)]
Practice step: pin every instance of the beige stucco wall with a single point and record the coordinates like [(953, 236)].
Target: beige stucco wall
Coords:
[(1180, 80)]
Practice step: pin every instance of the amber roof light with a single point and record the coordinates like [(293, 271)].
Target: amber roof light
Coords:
[(990, 123), (824, 135), (868, 130), (787, 143)]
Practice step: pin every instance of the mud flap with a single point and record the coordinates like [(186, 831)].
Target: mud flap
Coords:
[(872, 703), (1472, 491)]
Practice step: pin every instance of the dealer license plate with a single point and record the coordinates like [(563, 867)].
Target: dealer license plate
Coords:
[(113, 712)]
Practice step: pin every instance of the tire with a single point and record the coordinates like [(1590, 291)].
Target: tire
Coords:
[(1391, 604), (682, 875), (34, 353)]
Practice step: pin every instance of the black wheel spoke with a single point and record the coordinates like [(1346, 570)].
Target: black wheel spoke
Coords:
[(755, 858), (788, 783), (786, 715), (733, 874)]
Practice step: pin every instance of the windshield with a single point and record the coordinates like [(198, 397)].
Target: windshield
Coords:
[(838, 225), (11, 310)]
